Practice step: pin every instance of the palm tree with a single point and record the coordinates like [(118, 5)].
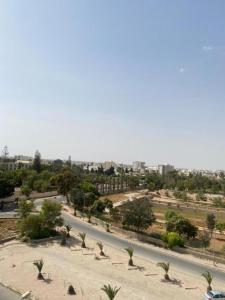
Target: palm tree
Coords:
[(110, 291), (83, 236), (39, 264), (100, 245), (208, 277), (107, 227), (130, 252), (68, 229), (165, 267)]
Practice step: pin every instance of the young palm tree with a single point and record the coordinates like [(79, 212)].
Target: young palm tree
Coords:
[(165, 267), (39, 264), (110, 291), (83, 236), (68, 229), (107, 227), (130, 252), (100, 245), (89, 214), (209, 278)]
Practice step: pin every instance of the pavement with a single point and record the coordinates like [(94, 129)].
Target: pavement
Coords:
[(7, 294)]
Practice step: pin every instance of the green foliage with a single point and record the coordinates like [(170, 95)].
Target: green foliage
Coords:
[(88, 187), (182, 226), (64, 182), (181, 195), (98, 206), (218, 202), (200, 196), (220, 226), (209, 278), (211, 222), (138, 214), (51, 214), (111, 292), (37, 162), (77, 199), (151, 186), (6, 185), (204, 238), (25, 190), (173, 239), (36, 226), (32, 227), (25, 208)]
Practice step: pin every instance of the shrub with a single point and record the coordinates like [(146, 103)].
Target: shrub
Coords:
[(31, 226), (173, 239)]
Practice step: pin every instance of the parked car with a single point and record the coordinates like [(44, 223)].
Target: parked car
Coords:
[(214, 295)]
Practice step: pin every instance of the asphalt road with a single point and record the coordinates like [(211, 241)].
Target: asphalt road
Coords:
[(6, 294), (153, 254)]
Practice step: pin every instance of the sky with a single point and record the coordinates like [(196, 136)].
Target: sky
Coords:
[(114, 80)]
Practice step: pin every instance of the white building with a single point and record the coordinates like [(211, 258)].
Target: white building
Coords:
[(165, 169), (138, 166)]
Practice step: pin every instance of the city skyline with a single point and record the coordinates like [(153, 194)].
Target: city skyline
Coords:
[(119, 81)]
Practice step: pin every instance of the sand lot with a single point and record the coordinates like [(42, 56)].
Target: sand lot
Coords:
[(65, 265)]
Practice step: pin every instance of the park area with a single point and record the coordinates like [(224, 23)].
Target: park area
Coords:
[(87, 271)]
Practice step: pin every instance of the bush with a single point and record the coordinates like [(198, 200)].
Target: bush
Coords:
[(218, 202), (31, 226), (180, 195), (173, 239)]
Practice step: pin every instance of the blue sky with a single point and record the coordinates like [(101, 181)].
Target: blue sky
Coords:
[(114, 80)]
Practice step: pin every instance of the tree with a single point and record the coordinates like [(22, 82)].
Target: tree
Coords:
[(37, 162), (110, 291), (151, 186), (211, 222), (209, 278), (138, 214), (6, 185), (63, 236), (26, 190), (170, 215), (25, 208), (71, 290), (82, 235), (98, 206), (64, 181), (184, 227), (165, 267), (77, 199), (39, 264), (32, 226), (100, 246), (51, 214), (130, 252), (204, 239), (173, 239)]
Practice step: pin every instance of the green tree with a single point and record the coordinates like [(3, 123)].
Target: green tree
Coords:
[(25, 208), (51, 214), (6, 185), (37, 162), (32, 226), (77, 199), (173, 239), (26, 190), (138, 214), (110, 291), (204, 238), (64, 182), (211, 222)]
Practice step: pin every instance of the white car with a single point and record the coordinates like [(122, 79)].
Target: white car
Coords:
[(214, 295)]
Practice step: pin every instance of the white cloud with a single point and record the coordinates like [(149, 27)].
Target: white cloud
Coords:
[(207, 48)]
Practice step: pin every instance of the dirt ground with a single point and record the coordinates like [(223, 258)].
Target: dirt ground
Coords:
[(8, 228), (88, 272)]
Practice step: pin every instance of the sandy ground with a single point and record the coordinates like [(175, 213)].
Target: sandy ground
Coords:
[(64, 266)]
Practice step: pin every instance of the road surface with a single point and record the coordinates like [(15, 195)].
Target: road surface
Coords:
[(6, 294)]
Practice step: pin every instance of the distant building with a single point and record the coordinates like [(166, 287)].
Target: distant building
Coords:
[(12, 165), (139, 166), (165, 169)]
